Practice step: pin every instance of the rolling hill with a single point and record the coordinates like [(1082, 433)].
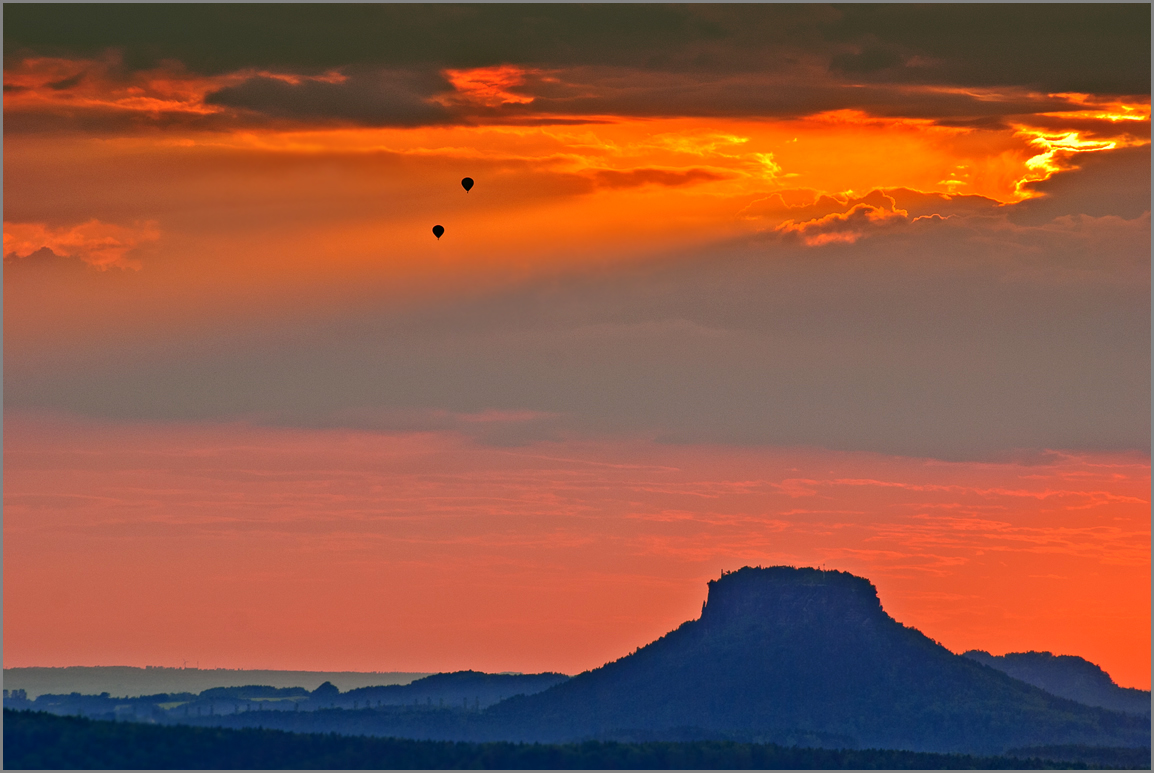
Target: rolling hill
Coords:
[(1068, 676)]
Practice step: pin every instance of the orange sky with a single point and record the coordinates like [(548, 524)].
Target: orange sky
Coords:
[(687, 319), (243, 547)]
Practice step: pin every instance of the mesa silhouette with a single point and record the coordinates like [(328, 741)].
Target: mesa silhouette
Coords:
[(787, 656), (808, 657)]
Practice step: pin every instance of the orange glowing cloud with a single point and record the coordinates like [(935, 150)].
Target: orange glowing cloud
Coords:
[(489, 86), (53, 84), (1091, 106), (362, 198), (849, 226), (833, 151), (76, 86), (1058, 153), (101, 245), (332, 76)]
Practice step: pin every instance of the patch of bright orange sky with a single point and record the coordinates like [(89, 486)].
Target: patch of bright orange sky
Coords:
[(365, 199), (246, 547)]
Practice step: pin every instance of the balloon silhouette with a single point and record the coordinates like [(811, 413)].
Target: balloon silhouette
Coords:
[(438, 230), (467, 183)]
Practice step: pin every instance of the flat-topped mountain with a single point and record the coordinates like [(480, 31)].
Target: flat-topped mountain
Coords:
[(1068, 676), (798, 657), (807, 657)]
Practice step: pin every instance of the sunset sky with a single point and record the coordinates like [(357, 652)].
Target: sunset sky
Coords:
[(862, 287)]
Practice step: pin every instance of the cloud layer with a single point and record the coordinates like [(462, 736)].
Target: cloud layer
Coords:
[(1089, 48), (101, 245), (409, 65), (865, 323)]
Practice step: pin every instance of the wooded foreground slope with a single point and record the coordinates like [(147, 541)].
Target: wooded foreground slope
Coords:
[(36, 740)]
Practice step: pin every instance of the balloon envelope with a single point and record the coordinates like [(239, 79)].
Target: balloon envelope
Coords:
[(467, 183), (438, 230)]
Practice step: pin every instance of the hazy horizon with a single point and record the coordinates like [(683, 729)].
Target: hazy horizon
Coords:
[(160, 679)]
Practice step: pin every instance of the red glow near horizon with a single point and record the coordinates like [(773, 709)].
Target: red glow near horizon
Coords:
[(245, 547)]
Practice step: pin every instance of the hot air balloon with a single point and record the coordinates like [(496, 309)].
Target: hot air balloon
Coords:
[(467, 183), (438, 230)]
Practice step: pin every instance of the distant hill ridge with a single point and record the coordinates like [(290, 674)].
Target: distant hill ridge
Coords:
[(473, 688), (1068, 676), (461, 691), (132, 680), (807, 657)]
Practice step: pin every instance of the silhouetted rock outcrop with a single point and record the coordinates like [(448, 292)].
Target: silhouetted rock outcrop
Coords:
[(1068, 676), (806, 657), (327, 691)]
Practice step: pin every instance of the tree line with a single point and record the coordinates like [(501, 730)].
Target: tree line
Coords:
[(37, 740)]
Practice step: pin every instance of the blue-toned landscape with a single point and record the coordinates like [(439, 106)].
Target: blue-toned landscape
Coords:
[(781, 659)]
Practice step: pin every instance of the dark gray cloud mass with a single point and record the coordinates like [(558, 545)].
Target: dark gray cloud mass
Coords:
[(1114, 183), (1048, 46), (647, 60), (395, 98), (411, 97), (1055, 47), (705, 60)]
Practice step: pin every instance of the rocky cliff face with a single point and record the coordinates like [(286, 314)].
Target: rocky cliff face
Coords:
[(807, 657), (782, 595)]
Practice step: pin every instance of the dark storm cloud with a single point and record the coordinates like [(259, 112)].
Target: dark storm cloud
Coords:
[(1097, 48), (1114, 183), (1045, 47), (215, 39), (590, 60), (410, 97), (396, 98), (641, 92), (423, 97)]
